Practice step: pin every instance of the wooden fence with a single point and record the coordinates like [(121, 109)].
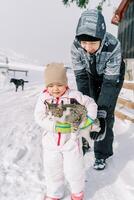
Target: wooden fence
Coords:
[(18, 70), (126, 103)]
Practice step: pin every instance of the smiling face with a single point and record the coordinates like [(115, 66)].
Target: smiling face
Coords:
[(56, 89), (90, 46)]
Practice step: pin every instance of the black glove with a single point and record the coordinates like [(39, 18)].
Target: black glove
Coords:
[(85, 146), (100, 123)]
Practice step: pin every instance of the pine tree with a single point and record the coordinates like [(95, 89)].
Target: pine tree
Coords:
[(79, 3), (83, 3)]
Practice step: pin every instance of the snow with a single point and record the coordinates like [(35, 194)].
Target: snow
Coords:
[(21, 170)]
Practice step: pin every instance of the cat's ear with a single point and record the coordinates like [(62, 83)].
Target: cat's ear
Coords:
[(47, 104), (52, 102), (74, 101), (61, 104)]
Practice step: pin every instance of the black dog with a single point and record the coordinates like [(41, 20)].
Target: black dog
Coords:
[(18, 82)]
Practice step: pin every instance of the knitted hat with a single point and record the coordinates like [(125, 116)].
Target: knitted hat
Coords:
[(85, 37), (55, 73), (91, 23)]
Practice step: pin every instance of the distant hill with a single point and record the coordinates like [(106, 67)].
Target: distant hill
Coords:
[(8, 55)]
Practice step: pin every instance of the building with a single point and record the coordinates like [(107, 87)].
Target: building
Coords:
[(124, 18), (125, 32)]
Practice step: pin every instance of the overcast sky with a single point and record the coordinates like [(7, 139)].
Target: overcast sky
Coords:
[(43, 30)]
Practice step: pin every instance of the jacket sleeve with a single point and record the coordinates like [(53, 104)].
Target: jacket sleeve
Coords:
[(79, 68), (41, 116), (91, 107), (82, 81), (88, 102), (112, 82), (109, 93), (76, 55), (113, 65)]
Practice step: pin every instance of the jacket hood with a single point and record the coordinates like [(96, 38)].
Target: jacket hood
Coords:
[(91, 23)]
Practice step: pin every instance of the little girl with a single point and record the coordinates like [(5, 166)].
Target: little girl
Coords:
[(62, 149)]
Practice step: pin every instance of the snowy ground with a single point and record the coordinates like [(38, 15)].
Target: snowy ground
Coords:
[(21, 170)]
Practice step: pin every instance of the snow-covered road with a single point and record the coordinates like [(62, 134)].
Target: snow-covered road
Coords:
[(21, 170)]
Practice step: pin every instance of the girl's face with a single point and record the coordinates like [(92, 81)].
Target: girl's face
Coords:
[(56, 89), (90, 46)]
